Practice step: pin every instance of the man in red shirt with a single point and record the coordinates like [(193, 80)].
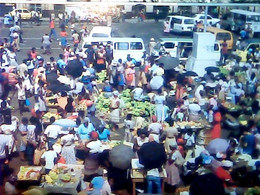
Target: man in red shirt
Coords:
[(53, 31)]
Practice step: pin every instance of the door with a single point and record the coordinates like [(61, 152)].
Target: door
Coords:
[(216, 52), (177, 25)]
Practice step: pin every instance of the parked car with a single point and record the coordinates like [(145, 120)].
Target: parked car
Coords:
[(210, 19), (25, 13)]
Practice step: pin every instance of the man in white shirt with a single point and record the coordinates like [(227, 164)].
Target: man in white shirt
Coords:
[(52, 132), (200, 88), (95, 145), (153, 176), (50, 158)]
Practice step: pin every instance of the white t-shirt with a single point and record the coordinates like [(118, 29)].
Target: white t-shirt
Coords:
[(155, 128), (52, 131), (153, 172), (49, 157), (5, 141), (94, 146)]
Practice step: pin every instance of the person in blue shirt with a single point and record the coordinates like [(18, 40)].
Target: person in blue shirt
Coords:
[(61, 64), (85, 129), (103, 133)]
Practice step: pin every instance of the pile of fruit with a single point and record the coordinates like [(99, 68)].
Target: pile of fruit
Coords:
[(101, 76), (52, 177), (136, 108), (29, 173), (48, 115)]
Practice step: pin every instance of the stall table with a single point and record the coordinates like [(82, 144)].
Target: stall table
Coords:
[(137, 176)]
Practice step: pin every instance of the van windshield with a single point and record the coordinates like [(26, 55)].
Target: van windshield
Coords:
[(99, 35), (136, 46), (169, 45), (188, 21), (223, 36)]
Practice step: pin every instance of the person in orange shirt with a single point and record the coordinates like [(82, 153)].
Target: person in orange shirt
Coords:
[(53, 31)]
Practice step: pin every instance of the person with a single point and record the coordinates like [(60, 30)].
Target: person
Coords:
[(138, 93), (85, 129), (31, 144), (171, 133), (152, 44), (49, 158), (159, 100), (216, 130), (153, 177), (76, 39), (46, 41), (103, 133), (53, 31), (140, 139), (22, 138), (68, 151), (52, 132), (121, 76), (96, 186), (129, 128), (173, 175), (155, 128), (101, 59), (130, 75), (224, 52), (21, 95), (63, 39), (115, 108)]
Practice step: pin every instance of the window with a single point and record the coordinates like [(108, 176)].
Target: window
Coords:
[(25, 11), (253, 47), (19, 10), (136, 46), (188, 21), (99, 35), (223, 36), (209, 17), (122, 46), (177, 21), (216, 47), (201, 17), (169, 45)]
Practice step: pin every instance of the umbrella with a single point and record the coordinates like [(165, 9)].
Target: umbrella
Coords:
[(212, 69), (74, 68), (156, 82), (152, 155), (52, 77), (120, 156), (191, 74), (65, 123), (217, 145), (169, 62), (58, 87)]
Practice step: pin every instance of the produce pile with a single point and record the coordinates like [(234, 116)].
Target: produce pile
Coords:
[(48, 115), (101, 76), (29, 173), (136, 108)]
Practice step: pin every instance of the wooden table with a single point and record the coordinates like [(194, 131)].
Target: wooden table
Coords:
[(137, 176)]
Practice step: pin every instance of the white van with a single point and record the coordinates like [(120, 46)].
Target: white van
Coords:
[(179, 24), (124, 46), (180, 48), (98, 35), (101, 32)]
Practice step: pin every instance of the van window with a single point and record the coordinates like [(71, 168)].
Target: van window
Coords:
[(122, 46), (188, 21), (177, 21), (136, 46), (223, 36), (99, 35), (216, 47), (25, 11), (169, 45), (167, 19)]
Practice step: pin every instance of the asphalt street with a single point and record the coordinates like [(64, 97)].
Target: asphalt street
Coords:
[(32, 34)]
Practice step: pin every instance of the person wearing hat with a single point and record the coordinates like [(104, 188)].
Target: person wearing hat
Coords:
[(115, 109), (152, 44), (223, 173), (85, 129)]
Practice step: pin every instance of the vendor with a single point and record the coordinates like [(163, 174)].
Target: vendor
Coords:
[(85, 129), (49, 158), (103, 133), (114, 107), (52, 132)]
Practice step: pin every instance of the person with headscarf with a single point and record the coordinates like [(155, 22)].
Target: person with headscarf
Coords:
[(68, 151), (85, 129), (98, 186), (130, 74), (159, 100), (115, 108)]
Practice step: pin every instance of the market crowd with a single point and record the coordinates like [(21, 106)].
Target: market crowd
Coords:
[(205, 129)]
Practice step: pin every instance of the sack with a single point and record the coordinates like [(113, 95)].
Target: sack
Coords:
[(100, 61), (27, 102)]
